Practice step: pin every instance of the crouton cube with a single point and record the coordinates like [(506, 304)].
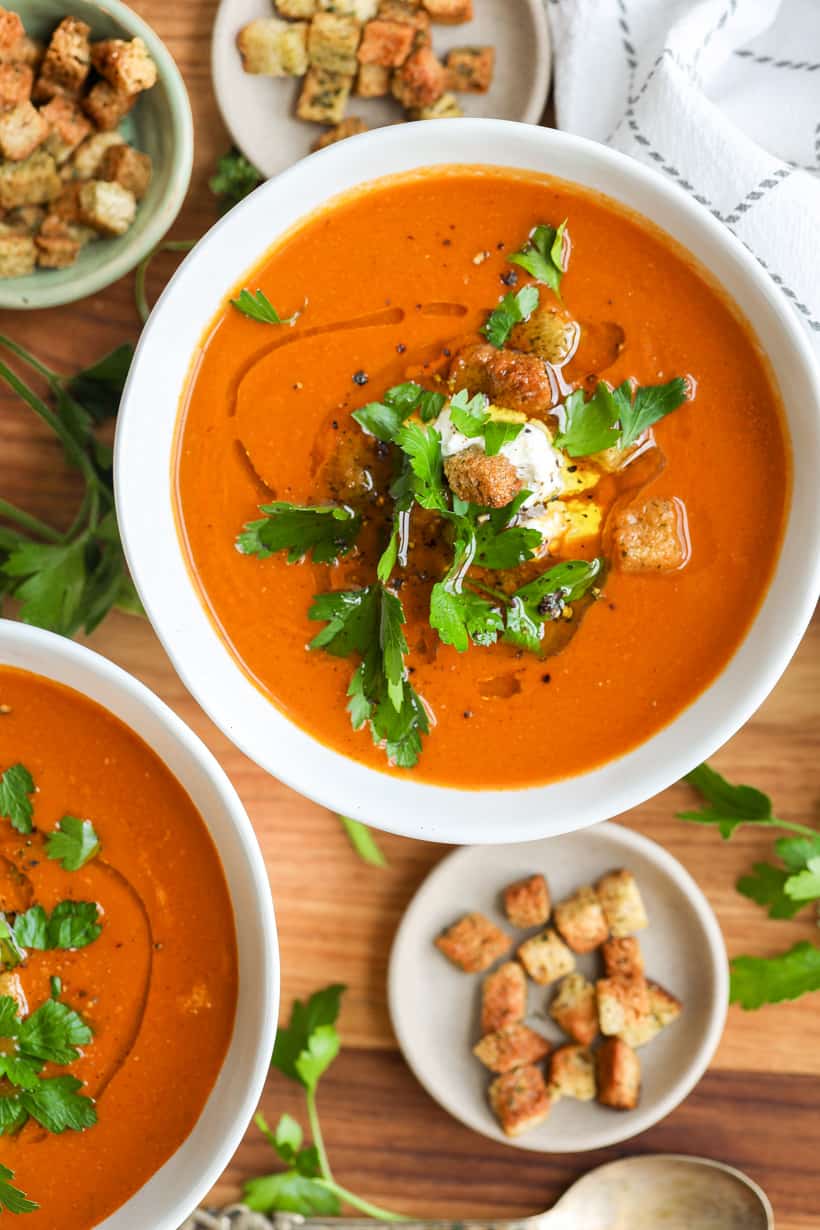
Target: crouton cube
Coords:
[(473, 943), (663, 1009), (362, 10), (11, 28), (420, 80), (332, 43), (520, 1100), (622, 904), (653, 538), (409, 13), (88, 157), (386, 43), (66, 62), (22, 130), (106, 106), (125, 63), (574, 1008), (128, 167), (57, 251), (25, 51), (581, 921), (450, 12), (273, 48), (503, 998), (470, 69), (527, 902), (623, 957), (373, 81), (296, 10), (29, 183), (622, 1003), (445, 108), (324, 96), (107, 207), (572, 1073), (16, 81), (26, 220), (514, 1046), (349, 127), (68, 127), (618, 1071), (546, 957), (18, 255)]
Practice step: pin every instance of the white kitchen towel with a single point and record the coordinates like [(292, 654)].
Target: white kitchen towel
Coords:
[(723, 96)]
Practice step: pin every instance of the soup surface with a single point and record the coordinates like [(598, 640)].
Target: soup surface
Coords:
[(145, 955), (612, 413)]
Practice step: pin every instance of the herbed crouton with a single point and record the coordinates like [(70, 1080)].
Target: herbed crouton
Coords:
[(574, 1008), (11, 28), (445, 108), (296, 10), (409, 13), (510, 379), (618, 1070), (106, 106), (572, 1073), (622, 1003), (27, 219), (520, 1100), (324, 96), (18, 255), (68, 127), (622, 903), (349, 127), (66, 62), (22, 130), (514, 1046), (362, 10), (663, 1009), (107, 207), (128, 167), (386, 43), (88, 157), (333, 41), (16, 81), (503, 997), (420, 80), (550, 333), (470, 69), (450, 12), (623, 957), (546, 957), (473, 943), (580, 920), (273, 48), (527, 902), (479, 479), (373, 81), (25, 51), (29, 183), (654, 538), (126, 64), (57, 251)]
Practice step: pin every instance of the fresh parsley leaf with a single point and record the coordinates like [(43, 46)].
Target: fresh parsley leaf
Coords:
[(11, 954), (9, 1020), (352, 621), (430, 406), (727, 806), (543, 255), (756, 981), (767, 886), (422, 447), (12, 1115), (98, 388), (469, 414), (380, 420), (324, 531), (257, 306), (57, 1105), (16, 785), (363, 842), (53, 1033), (291, 1192), (72, 924), (11, 1198), (497, 433), (234, 179), (286, 1141), (797, 852), (511, 311), (805, 885), (384, 419), (291, 1040), (73, 843), (650, 403), (545, 598), (50, 582), (459, 615), (322, 1048), (500, 546), (588, 426)]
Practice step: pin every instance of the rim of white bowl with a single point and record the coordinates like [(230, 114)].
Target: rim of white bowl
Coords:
[(143, 478), (80, 668)]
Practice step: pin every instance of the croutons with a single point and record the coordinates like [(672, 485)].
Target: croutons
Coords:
[(273, 48), (324, 96), (663, 1009), (479, 479), (510, 379), (106, 106), (515, 1046), (572, 1073), (473, 943), (22, 130), (623, 957), (653, 538), (66, 62), (362, 10), (580, 920), (68, 127), (25, 51), (349, 127), (88, 157), (445, 108), (373, 81), (550, 332), (520, 1100), (503, 998), (16, 81), (527, 902), (333, 41), (107, 207), (622, 1004), (574, 1008), (621, 902), (27, 219), (385, 43), (57, 251), (11, 29), (449, 12), (618, 1072), (128, 167), (29, 183), (409, 13), (546, 957), (125, 64), (18, 254), (298, 10), (420, 80), (470, 69)]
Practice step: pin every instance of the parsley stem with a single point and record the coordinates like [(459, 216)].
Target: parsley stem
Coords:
[(316, 1133), (28, 357), (774, 823), (28, 522), (72, 448), (364, 1206), (140, 295), (498, 594)]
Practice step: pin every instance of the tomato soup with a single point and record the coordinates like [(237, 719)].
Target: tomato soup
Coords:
[(115, 906), (546, 368)]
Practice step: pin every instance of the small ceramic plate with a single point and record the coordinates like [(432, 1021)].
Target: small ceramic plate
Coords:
[(259, 111), (434, 1006)]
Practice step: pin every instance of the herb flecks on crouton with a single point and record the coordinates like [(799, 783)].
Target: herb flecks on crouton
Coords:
[(324, 96), (333, 42), (503, 997), (527, 902), (580, 920), (474, 943), (273, 48), (574, 1008), (470, 69), (622, 903), (572, 1073), (546, 957), (623, 957), (67, 61), (514, 1046), (520, 1100)]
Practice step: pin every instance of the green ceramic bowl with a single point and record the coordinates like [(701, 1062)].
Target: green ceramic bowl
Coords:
[(160, 124)]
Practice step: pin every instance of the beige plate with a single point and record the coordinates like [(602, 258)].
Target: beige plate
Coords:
[(434, 1007), (259, 110)]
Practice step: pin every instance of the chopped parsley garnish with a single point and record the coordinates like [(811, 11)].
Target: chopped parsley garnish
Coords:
[(546, 598), (471, 416), (52, 1034), (543, 255), (12, 1200), (11, 953), (499, 545), (324, 531), (257, 306), (16, 787), (511, 311), (384, 419), (616, 417), (460, 615), (421, 446), (71, 924), (73, 843)]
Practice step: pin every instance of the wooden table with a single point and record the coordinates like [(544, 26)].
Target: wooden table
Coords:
[(758, 1107)]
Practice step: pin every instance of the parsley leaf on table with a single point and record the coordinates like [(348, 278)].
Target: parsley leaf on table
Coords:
[(291, 1040), (16, 784), (72, 924), (804, 885), (257, 306), (323, 531), (769, 980), (235, 177), (767, 886), (545, 599), (73, 843), (11, 1198), (726, 806), (363, 842), (98, 388), (291, 1192), (511, 311), (543, 255), (797, 852)]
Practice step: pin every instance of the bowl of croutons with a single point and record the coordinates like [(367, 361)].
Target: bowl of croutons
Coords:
[(96, 148)]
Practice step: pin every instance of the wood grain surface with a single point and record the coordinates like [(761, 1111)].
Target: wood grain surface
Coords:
[(759, 1105)]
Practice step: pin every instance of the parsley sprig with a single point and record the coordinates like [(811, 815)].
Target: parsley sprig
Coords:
[(322, 531), (74, 841), (12, 1200), (71, 924), (615, 417), (235, 177), (471, 416), (511, 311), (544, 255), (53, 1034), (257, 306), (385, 418), (16, 789)]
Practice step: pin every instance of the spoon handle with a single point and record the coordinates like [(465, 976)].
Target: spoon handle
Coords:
[(295, 1221)]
